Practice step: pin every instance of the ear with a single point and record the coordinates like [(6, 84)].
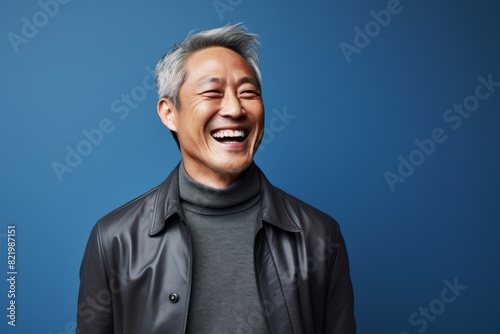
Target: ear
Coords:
[(166, 112)]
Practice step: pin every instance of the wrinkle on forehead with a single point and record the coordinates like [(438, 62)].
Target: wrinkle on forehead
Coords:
[(212, 56)]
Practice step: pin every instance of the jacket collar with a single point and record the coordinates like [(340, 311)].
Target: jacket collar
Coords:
[(167, 204), (272, 209)]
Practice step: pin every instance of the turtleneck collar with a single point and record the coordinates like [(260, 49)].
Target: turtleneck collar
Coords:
[(245, 188)]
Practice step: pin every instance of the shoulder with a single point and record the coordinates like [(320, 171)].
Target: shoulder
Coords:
[(289, 213), (142, 213), (130, 211), (300, 226), (133, 212), (304, 215)]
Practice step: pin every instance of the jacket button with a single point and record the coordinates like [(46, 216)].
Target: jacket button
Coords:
[(173, 298)]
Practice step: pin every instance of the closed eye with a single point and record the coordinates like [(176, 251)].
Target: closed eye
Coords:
[(249, 93), (212, 93)]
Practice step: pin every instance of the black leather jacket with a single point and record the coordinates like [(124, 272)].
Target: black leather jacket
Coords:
[(136, 272)]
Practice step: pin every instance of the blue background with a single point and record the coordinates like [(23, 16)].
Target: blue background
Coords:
[(351, 122)]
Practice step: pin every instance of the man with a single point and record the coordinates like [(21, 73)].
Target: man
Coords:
[(215, 248)]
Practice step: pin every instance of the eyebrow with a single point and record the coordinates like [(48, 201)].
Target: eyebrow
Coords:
[(243, 80), (249, 80), (210, 80)]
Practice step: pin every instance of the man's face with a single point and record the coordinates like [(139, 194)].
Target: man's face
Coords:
[(220, 121)]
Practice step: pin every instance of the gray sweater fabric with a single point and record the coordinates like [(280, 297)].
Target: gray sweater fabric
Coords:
[(222, 222)]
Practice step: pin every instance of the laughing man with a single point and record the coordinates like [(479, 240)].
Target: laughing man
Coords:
[(215, 248)]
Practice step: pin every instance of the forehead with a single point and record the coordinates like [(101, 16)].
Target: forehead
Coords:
[(216, 61)]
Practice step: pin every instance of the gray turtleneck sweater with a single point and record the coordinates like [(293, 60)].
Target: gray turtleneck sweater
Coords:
[(222, 222)]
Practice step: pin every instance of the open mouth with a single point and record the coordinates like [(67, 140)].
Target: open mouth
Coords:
[(224, 136)]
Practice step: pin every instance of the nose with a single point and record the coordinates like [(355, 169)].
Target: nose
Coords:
[(231, 106)]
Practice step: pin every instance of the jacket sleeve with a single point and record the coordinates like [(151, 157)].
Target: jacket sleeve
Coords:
[(94, 312), (339, 306)]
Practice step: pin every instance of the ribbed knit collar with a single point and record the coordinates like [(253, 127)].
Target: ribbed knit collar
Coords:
[(242, 191)]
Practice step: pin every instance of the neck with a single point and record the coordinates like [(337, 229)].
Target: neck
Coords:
[(214, 178), (244, 188)]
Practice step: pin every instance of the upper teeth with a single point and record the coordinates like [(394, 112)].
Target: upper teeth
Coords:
[(229, 133)]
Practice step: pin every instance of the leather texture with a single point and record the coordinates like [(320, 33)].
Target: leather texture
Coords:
[(136, 271)]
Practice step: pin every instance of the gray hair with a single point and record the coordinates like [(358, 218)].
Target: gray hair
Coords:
[(171, 73)]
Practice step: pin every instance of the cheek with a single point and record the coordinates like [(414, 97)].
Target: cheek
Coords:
[(196, 126), (259, 119), (200, 117), (193, 120), (256, 110)]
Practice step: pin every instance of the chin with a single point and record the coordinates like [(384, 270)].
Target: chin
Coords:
[(232, 169)]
